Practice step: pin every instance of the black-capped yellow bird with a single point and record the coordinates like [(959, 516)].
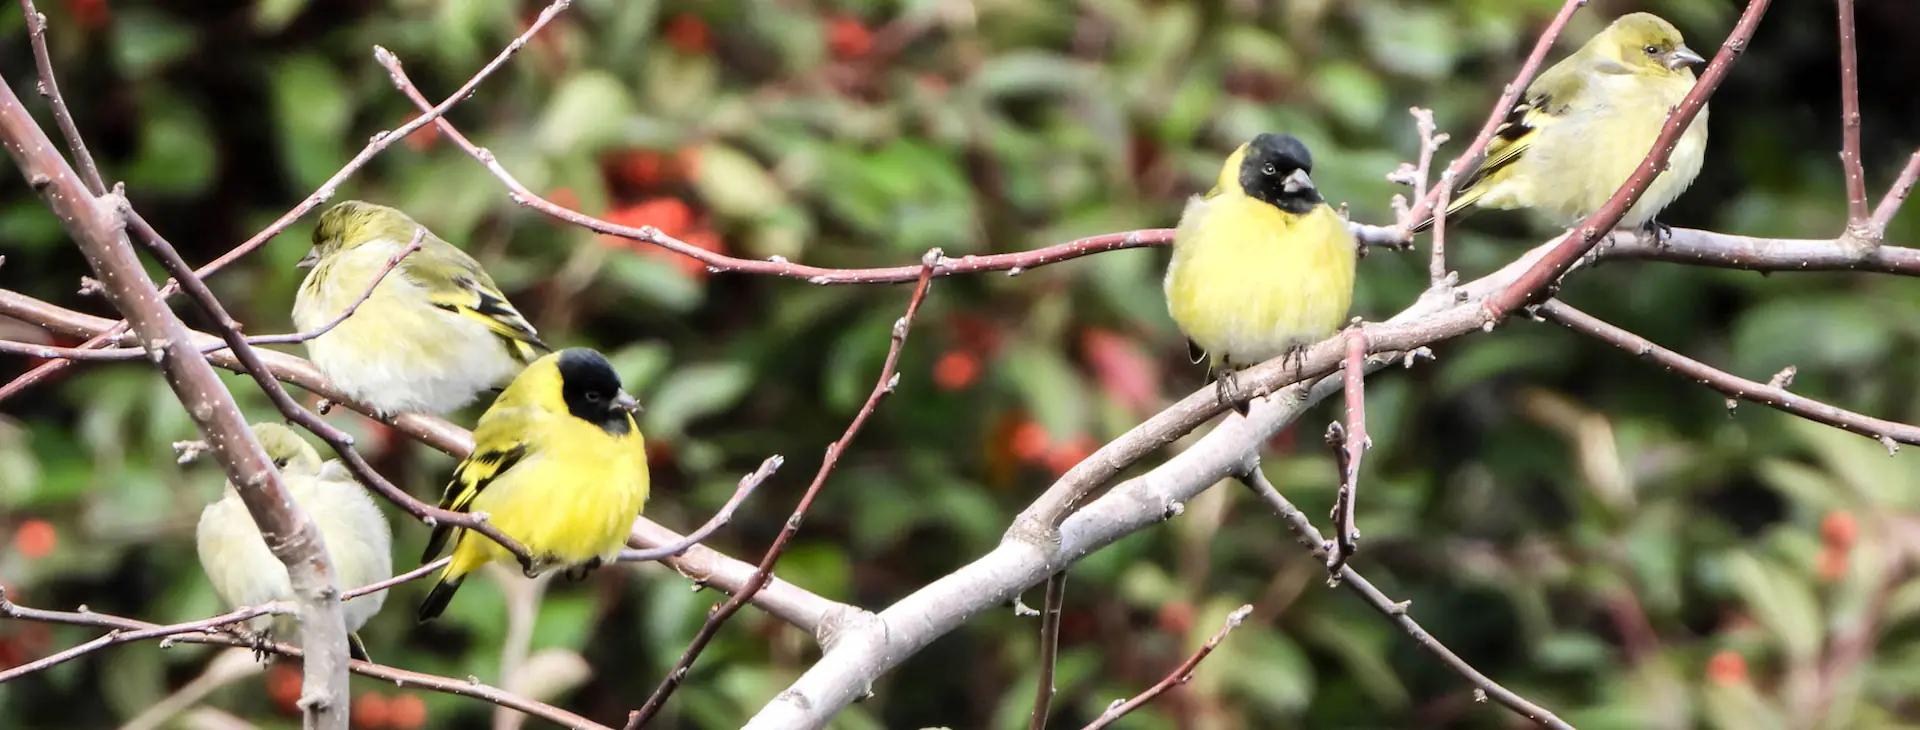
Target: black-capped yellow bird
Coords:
[(1586, 123), (558, 464), (436, 331), (1261, 265)]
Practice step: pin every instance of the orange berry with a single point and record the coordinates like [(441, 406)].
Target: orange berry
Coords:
[(956, 369), (1839, 529), (406, 712), (36, 538), (371, 711), (423, 138), (671, 215), (1029, 442), (283, 687), (847, 38), (1727, 667), (688, 34), (1064, 456)]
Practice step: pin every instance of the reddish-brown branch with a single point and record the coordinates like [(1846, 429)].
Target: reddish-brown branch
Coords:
[(1509, 96), (1850, 120), (1350, 443), (1395, 611), (467, 687), (882, 387), (1536, 282), (1050, 608), (1180, 674), (1886, 432), (1897, 194), (745, 489), (97, 225), (1012, 263)]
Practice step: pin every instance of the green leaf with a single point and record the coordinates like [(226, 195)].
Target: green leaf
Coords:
[(734, 184), (311, 109), (694, 391), (1782, 603), (585, 115)]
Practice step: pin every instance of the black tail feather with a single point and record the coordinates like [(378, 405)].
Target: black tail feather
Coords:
[(438, 598), (357, 649)]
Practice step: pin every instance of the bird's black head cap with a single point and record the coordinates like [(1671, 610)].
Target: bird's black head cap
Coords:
[(592, 390), (1275, 170)]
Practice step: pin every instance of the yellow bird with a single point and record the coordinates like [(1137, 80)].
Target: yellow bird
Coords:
[(558, 464), (436, 331), (1261, 265), (245, 573), (1587, 122)]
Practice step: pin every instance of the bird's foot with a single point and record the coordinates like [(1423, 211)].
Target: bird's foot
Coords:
[(580, 572), (1227, 388), (1661, 232), (261, 642)]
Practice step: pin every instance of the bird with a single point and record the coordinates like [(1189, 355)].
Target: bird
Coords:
[(1261, 266), (245, 573), (1585, 124), (558, 464), (435, 332)]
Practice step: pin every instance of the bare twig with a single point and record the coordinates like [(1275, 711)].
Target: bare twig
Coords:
[(1897, 194), (1395, 611), (49, 87), (97, 225), (1888, 433), (467, 687), (1009, 262), (1180, 675), (1538, 280), (1049, 648), (1850, 121), (1509, 96), (1437, 265), (1350, 444), (884, 385), (745, 489)]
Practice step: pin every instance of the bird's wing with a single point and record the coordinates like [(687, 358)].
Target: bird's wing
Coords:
[(456, 283), (499, 445), (1545, 101)]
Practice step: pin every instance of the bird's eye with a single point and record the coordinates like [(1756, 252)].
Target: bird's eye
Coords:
[(1652, 50), (595, 397), (1269, 169), (279, 463)]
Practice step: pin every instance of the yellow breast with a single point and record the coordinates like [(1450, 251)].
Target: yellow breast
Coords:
[(1249, 282)]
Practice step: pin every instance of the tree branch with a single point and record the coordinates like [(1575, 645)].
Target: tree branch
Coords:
[(1577, 242), (882, 387), (97, 225), (1395, 611), (745, 489), (1897, 194), (1049, 648), (1888, 433), (1180, 675), (49, 87), (1350, 443), (1850, 121)]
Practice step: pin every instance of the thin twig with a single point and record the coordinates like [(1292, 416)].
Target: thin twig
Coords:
[(1509, 96), (1397, 612), (1350, 443), (467, 687), (1012, 263), (1437, 265), (1850, 120), (1897, 194), (1049, 648), (1180, 675), (1888, 433), (1536, 282), (49, 87), (883, 386), (745, 489)]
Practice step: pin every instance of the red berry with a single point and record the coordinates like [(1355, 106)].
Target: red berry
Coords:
[(371, 711), (406, 712), (1066, 455), (36, 538), (688, 34), (1029, 442), (1727, 667), (848, 39), (1839, 529), (956, 369)]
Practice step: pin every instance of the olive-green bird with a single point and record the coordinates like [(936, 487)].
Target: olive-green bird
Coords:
[(245, 573), (558, 464), (1261, 265), (435, 332), (1586, 123)]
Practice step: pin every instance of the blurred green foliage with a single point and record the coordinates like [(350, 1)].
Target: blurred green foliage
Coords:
[(1606, 539)]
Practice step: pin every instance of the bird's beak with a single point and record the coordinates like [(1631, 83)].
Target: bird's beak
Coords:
[(1297, 182), (307, 261), (624, 402), (1682, 56)]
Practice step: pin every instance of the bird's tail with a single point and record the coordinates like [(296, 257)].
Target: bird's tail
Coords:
[(1460, 202), (357, 649), (438, 598)]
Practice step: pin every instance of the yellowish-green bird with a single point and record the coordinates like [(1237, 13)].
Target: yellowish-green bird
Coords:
[(558, 464), (1261, 265), (435, 332), (1586, 123), (245, 573)]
